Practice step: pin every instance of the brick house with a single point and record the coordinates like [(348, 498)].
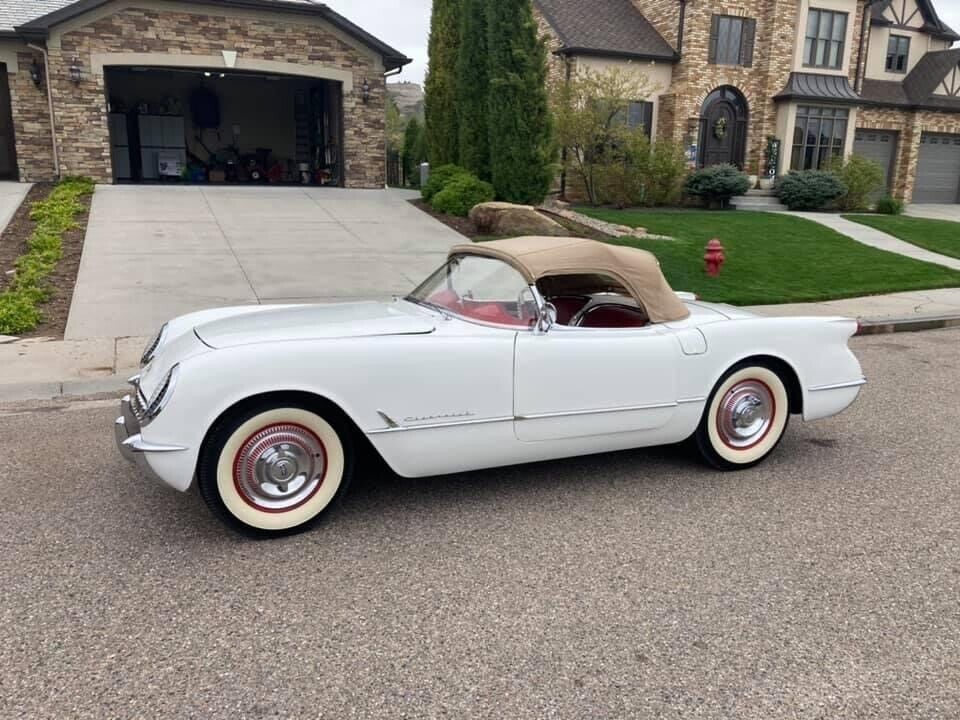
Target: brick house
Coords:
[(824, 77), (135, 90)]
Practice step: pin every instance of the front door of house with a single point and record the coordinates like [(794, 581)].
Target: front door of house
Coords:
[(8, 158), (723, 127)]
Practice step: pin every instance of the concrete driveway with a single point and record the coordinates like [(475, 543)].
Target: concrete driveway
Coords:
[(152, 253), (935, 212)]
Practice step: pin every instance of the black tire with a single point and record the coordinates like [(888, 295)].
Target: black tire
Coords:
[(311, 450), (718, 436)]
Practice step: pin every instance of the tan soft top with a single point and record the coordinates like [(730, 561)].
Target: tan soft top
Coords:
[(637, 270)]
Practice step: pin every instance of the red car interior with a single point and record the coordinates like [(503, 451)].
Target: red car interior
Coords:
[(614, 316)]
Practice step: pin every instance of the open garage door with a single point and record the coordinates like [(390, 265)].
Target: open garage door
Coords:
[(938, 169), (210, 126)]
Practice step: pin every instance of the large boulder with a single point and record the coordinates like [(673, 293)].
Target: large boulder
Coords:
[(500, 218)]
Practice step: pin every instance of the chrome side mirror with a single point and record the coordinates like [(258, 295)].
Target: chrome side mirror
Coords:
[(548, 317)]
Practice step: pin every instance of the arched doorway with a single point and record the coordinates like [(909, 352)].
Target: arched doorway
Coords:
[(723, 127)]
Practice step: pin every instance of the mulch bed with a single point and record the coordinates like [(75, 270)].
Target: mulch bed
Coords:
[(13, 244), (465, 227)]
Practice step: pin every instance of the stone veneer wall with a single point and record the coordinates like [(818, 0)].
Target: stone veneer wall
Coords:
[(910, 126), (81, 112), (556, 65), (31, 124), (694, 78)]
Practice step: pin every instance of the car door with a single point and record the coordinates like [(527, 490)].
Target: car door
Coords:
[(578, 382)]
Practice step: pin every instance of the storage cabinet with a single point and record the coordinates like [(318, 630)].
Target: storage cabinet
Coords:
[(162, 137)]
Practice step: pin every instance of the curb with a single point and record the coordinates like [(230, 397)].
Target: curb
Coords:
[(881, 327), (118, 384), (64, 390)]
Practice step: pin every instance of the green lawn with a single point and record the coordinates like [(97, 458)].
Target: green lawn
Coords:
[(939, 236), (772, 258)]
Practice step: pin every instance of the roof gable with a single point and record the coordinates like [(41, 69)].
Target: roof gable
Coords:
[(605, 27), (41, 15), (903, 13), (929, 72)]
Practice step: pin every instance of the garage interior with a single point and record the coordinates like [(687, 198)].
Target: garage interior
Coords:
[(173, 125)]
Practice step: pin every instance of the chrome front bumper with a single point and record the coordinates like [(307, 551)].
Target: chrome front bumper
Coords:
[(130, 442)]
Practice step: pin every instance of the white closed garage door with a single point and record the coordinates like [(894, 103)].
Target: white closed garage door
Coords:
[(938, 170)]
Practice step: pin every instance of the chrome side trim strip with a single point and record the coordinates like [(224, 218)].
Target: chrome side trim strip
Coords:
[(136, 444), (839, 386), (602, 411), (437, 426), (691, 401)]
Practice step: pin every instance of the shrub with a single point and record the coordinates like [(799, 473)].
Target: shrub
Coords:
[(809, 189), (665, 174), (717, 184), (461, 194), (439, 178), (889, 206), (862, 177)]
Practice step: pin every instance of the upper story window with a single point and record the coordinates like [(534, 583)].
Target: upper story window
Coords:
[(731, 40), (826, 32), (898, 51)]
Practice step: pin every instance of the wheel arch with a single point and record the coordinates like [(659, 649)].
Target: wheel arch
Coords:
[(784, 370), (302, 398)]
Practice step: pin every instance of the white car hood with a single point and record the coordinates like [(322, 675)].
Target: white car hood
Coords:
[(311, 322)]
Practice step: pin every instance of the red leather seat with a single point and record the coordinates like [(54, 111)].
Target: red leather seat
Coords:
[(614, 316)]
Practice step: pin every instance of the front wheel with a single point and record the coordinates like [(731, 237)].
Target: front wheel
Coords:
[(274, 470), (745, 419)]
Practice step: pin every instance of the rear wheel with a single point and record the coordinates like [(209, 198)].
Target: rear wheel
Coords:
[(275, 470), (745, 419)]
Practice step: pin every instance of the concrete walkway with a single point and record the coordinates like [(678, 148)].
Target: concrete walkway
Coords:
[(12, 195), (900, 306), (875, 238), (935, 212), (155, 252)]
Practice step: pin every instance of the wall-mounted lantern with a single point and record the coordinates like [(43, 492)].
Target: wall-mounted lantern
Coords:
[(36, 73), (365, 91), (76, 71)]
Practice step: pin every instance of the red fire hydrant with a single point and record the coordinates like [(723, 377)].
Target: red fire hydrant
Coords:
[(714, 258)]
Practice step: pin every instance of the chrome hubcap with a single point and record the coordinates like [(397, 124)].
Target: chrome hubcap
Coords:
[(280, 468), (745, 415)]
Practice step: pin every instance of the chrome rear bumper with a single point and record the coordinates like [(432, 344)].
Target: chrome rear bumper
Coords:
[(130, 442)]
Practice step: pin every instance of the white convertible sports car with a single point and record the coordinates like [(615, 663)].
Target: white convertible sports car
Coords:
[(514, 351)]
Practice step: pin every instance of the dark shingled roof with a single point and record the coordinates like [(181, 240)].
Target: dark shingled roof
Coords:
[(917, 89), (35, 17), (605, 27), (931, 21), (822, 88)]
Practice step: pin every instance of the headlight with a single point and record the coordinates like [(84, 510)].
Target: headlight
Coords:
[(155, 405), (150, 352)]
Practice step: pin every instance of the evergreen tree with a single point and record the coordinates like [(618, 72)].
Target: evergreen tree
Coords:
[(473, 89), (412, 151), (441, 90), (518, 111)]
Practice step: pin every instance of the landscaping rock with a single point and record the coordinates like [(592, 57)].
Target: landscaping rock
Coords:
[(499, 218)]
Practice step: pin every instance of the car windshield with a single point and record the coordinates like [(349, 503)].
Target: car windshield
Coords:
[(479, 288)]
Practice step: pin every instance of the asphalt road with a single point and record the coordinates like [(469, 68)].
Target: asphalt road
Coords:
[(825, 584)]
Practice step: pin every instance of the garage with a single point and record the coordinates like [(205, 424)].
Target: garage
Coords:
[(879, 146), (215, 126), (938, 169)]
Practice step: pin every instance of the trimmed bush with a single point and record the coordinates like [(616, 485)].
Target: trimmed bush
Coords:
[(889, 206), (439, 178), (717, 184), (461, 194), (862, 177), (809, 189)]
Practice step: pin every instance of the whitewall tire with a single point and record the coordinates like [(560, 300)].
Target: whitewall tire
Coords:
[(745, 419), (275, 470)]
